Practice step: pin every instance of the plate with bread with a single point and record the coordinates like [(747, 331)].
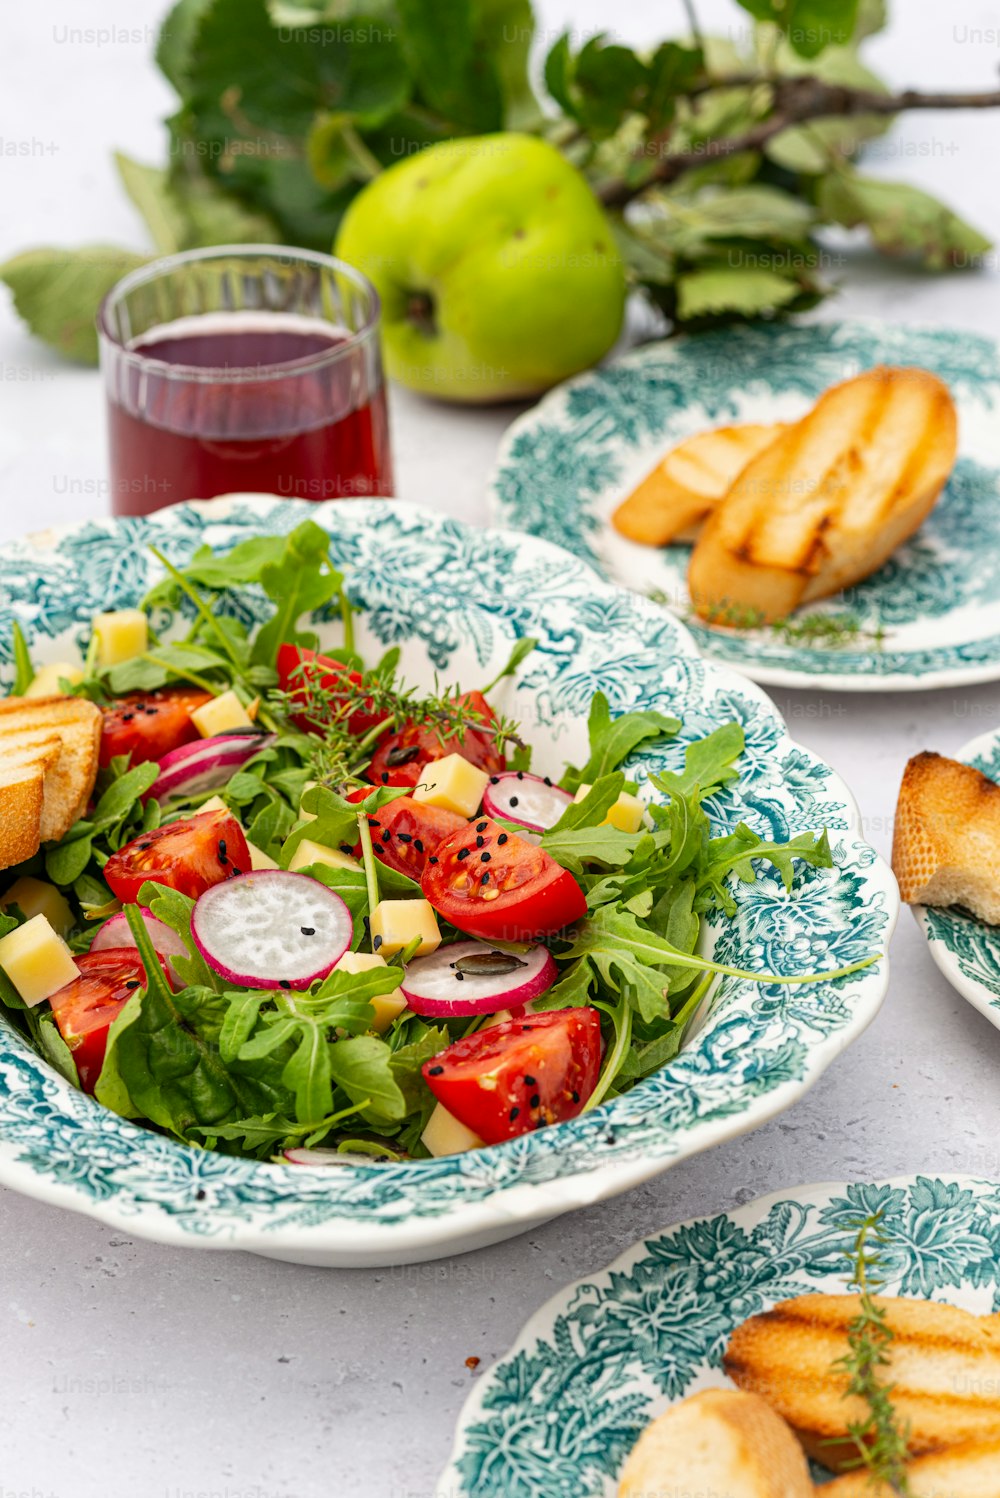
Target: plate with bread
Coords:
[(838, 1340), (946, 857), (803, 496)]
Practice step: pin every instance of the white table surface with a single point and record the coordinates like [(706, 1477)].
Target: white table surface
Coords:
[(129, 1370)]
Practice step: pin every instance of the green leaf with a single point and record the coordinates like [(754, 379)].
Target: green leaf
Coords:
[(147, 188), (455, 76), (902, 220), (65, 862), (809, 25), (612, 740), (55, 1050), (24, 671), (176, 39), (58, 292), (123, 794), (504, 29), (746, 291), (110, 1089), (709, 764), (362, 1066)]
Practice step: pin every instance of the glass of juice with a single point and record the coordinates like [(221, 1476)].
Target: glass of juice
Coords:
[(243, 368)]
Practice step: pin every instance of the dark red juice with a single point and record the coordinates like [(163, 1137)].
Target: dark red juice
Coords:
[(247, 402)]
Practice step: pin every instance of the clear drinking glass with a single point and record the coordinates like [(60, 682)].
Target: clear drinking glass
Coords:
[(243, 368)]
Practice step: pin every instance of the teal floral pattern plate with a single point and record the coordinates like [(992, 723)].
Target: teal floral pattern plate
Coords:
[(966, 950), (559, 1414), (929, 617), (455, 599)]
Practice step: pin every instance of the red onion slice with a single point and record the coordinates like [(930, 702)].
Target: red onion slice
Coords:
[(471, 977), (205, 765)]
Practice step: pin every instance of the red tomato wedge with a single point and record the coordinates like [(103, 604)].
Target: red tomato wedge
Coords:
[(499, 887), (190, 855), (304, 675), (515, 1077), (84, 1009), (405, 833), (401, 756), (147, 725)]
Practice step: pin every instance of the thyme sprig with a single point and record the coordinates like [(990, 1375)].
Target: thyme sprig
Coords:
[(882, 1441), (838, 631)]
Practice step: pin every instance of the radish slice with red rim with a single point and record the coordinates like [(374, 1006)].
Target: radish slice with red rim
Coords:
[(526, 799), (207, 764), (321, 1157), (116, 932), (271, 929), (471, 977)]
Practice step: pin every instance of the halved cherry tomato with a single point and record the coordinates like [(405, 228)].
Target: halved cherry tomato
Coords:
[(85, 1008), (499, 887), (401, 756), (515, 1077), (405, 833), (190, 855), (147, 725), (303, 675)]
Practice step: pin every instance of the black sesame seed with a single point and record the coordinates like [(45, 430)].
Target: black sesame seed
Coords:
[(480, 841), (520, 774), (502, 839), (534, 1100), (308, 930), (127, 717), (404, 837), (131, 983), (481, 826), (460, 977), (494, 780), (346, 848), (283, 983), (463, 853), (529, 1082), (434, 1071), (484, 857), (373, 823), (575, 1096), (548, 780), (432, 859), (486, 878), (514, 1113), (376, 943), (386, 835), (385, 777), (418, 845), (513, 800)]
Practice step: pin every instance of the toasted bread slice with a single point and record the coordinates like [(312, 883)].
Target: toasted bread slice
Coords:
[(61, 736), (946, 843), (968, 1471), (687, 484), (718, 1441), (829, 500), (22, 791), (944, 1366)]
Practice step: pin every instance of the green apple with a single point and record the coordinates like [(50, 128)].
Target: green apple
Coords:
[(496, 267)]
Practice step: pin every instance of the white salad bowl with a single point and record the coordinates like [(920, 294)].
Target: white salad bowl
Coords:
[(455, 599)]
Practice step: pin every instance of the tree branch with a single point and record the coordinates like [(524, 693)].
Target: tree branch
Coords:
[(796, 100)]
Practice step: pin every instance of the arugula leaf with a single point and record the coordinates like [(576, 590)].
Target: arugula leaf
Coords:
[(735, 855), (24, 671), (165, 665), (174, 910), (612, 740), (363, 1066)]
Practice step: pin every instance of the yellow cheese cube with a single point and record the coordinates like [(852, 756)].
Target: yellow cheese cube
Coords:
[(452, 783), (46, 679), (444, 1135), (259, 859), (387, 1006), (503, 1015), (35, 897), (395, 923), (307, 816), (309, 852), (626, 814), (214, 803), (220, 715), (37, 961), (120, 636)]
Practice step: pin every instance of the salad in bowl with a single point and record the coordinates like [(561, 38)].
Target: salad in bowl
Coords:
[(378, 866)]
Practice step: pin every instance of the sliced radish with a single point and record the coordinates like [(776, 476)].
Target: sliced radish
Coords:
[(207, 764), (117, 932), (519, 797), (333, 1157), (471, 977), (271, 929)]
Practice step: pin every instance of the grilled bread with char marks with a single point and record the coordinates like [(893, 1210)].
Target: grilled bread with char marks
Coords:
[(687, 484), (968, 1471), (829, 500), (944, 1366), (946, 841)]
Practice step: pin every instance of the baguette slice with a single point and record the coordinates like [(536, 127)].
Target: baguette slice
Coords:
[(944, 1365), (22, 791), (829, 500), (968, 1471), (687, 484), (716, 1442), (946, 842), (61, 737)]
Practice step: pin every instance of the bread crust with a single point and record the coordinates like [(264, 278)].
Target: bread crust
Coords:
[(946, 837), (61, 737)]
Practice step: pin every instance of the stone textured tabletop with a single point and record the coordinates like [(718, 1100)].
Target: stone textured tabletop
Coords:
[(135, 1371)]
